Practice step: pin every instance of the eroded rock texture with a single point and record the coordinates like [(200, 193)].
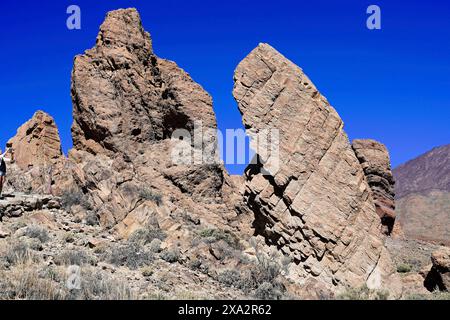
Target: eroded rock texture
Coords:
[(39, 165), (439, 276), (37, 142), (127, 103), (318, 207), (376, 163)]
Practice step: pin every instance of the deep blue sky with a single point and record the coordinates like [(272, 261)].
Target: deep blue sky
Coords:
[(392, 85)]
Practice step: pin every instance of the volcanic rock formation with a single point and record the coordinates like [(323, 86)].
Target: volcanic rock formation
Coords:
[(145, 158), (127, 105), (375, 161), (39, 165), (37, 142), (317, 208)]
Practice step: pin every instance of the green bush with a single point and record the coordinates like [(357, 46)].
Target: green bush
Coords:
[(230, 278), (404, 268), (262, 278)]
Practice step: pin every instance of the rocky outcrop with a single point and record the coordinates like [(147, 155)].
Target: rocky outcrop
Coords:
[(17, 204), (127, 104), (317, 208), (37, 142), (38, 163), (376, 163), (145, 164), (439, 275)]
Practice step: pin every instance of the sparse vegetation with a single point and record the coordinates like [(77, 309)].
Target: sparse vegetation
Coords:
[(145, 236), (75, 257), (72, 198), (37, 232), (27, 285), (363, 293), (69, 237), (230, 278), (129, 255), (215, 235), (18, 253), (436, 295), (92, 219), (151, 195), (101, 286), (261, 278), (267, 291), (147, 271), (171, 255), (404, 268)]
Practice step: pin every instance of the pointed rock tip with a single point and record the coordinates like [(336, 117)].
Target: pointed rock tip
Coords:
[(123, 27), (270, 53)]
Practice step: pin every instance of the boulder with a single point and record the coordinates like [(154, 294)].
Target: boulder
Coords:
[(439, 275)]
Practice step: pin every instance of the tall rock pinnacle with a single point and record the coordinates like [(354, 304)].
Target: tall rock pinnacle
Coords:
[(376, 163), (318, 207), (127, 102), (125, 97)]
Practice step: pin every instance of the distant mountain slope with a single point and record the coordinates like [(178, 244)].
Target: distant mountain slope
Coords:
[(430, 171), (423, 196)]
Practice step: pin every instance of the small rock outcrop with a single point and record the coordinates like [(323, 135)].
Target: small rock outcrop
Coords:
[(376, 163), (37, 142), (17, 204), (439, 276), (38, 165), (317, 208)]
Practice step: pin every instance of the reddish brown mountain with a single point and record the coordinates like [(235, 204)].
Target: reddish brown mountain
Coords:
[(423, 196)]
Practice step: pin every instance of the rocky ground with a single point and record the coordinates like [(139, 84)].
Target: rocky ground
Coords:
[(40, 246)]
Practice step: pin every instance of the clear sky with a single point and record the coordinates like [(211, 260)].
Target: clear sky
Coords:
[(392, 84)]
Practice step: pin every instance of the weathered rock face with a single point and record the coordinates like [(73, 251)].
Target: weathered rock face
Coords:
[(439, 276), (37, 142), (20, 203), (317, 208), (127, 103), (376, 163), (39, 165), (125, 98)]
